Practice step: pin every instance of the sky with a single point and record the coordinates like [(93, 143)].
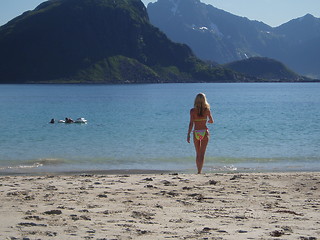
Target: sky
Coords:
[(271, 12)]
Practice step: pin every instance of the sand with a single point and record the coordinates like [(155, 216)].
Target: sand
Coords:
[(161, 206)]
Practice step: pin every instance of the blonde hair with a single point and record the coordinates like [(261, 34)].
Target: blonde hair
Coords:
[(201, 104)]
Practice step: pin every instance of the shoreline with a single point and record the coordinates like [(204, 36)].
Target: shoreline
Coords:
[(84, 172), (161, 206), (245, 170)]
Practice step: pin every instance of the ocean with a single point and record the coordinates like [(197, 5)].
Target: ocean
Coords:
[(258, 127)]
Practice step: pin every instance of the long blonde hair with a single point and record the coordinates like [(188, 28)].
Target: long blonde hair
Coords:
[(201, 104)]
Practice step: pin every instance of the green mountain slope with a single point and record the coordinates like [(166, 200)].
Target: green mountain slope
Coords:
[(96, 41), (266, 68)]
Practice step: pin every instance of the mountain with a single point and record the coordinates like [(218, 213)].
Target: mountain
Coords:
[(216, 35), (96, 41), (213, 34), (301, 47), (266, 68)]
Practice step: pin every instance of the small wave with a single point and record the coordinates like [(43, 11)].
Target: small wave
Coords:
[(50, 161), (222, 168), (33, 164), (265, 160)]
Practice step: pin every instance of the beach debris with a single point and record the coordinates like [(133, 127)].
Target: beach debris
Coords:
[(86, 175), (212, 182), (146, 215), (287, 229), (34, 218), (180, 220), (274, 192), (74, 217), (174, 174), (148, 179), (51, 188), (185, 202), (267, 205), (84, 217), (277, 233), (18, 193), (222, 231), (29, 197), (93, 206), (167, 183), (142, 232), (240, 217), (184, 180), (30, 212), (289, 212), (150, 186), (51, 234), (53, 212), (235, 177), (207, 229), (102, 195), (197, 196), (125, 176), (171, 193), (84, 210), (31, 224), (107, 212)]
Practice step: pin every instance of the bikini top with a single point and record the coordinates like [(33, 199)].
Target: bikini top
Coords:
[(200, 119)]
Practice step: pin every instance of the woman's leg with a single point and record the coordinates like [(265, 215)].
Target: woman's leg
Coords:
[(200, 147)]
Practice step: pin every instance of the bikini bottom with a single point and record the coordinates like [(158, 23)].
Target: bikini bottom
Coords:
[(199, 134)]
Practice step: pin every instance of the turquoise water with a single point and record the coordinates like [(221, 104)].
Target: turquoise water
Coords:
[(258, 127)]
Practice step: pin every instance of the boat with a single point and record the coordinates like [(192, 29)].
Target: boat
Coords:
[(81, 120)]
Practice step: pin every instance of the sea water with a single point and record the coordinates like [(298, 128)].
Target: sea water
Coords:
[(258, 127)]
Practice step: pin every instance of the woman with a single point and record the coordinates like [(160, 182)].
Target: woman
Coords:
[(198, 121)]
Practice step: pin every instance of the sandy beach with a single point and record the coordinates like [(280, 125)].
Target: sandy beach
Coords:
[(161, 206)]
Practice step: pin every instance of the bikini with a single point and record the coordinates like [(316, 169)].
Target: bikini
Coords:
[(200, 134)]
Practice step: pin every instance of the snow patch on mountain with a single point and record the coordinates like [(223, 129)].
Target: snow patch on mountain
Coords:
[(212, 28)]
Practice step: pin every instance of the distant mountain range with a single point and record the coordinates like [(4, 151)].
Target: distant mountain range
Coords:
[(97, 41), (219, 36)]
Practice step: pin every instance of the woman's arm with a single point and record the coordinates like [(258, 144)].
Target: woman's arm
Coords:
[(190, 126), (210, 118)]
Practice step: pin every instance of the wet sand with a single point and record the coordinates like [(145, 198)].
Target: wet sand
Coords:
[(161, 206)]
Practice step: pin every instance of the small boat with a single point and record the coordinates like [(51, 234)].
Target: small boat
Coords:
[(81, 120), (67, 120)]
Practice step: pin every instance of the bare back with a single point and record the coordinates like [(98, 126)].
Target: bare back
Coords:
[(200, 122)]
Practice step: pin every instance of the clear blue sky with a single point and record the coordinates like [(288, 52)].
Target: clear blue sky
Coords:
[(271, 12)]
